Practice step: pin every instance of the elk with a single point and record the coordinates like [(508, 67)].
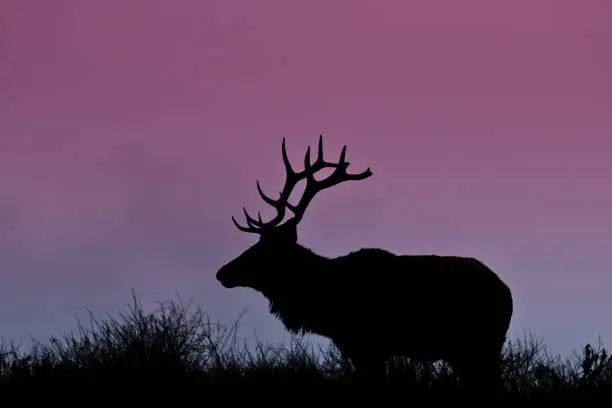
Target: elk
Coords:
[(373, 304)]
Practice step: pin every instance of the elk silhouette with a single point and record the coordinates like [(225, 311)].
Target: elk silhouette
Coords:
[(371, 303)]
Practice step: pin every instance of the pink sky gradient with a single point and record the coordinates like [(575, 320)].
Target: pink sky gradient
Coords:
[(132, 130)]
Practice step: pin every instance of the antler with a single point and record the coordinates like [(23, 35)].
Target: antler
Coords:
[(313, 186)]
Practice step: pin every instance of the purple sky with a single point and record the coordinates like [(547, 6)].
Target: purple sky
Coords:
[(131, 131)]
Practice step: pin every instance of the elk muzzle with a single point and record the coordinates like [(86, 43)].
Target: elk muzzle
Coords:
[(224, 277)]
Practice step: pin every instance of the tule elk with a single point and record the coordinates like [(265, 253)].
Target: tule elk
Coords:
[(371, 303)]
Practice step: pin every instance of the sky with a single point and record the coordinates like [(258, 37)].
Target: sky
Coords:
[(131, 131)]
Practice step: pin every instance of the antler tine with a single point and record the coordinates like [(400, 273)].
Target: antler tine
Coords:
[(280, 205), (313, 186), (288, 169), (320, 162), (244, 229), (320, 149), (266, 199), (307, 162), (342, 155), (258, 226), (251, 222), (253, 225)]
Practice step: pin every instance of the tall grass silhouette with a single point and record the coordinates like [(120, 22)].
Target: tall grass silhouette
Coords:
[(176, 350)]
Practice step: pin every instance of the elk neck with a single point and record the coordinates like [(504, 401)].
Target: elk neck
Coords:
[(305, 259)]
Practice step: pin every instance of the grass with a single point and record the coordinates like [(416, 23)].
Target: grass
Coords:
[(178, 352)]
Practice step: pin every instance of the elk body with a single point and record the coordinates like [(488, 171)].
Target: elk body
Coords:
[(371, 303)]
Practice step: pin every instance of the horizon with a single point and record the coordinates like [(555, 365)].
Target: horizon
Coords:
[(124, 125)]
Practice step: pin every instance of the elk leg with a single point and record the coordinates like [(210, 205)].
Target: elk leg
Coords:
[(369, 368), (479, 374)]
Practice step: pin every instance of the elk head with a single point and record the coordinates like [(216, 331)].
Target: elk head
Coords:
[(277, 247)]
